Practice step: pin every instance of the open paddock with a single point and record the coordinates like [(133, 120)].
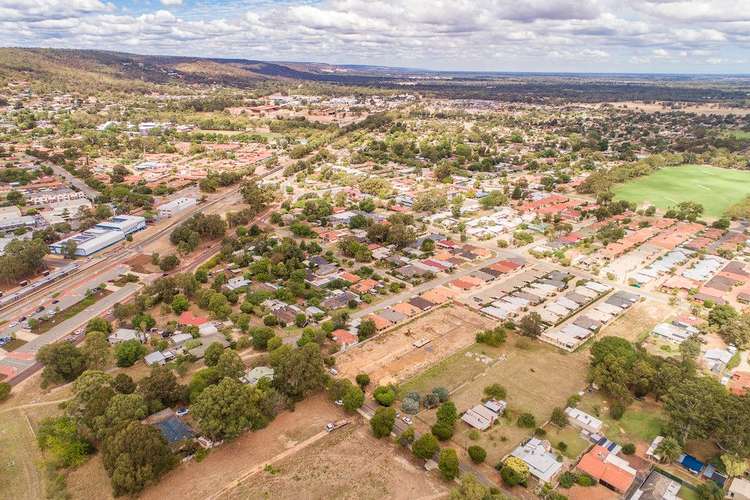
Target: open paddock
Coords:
[(348, 463), (538, 377)]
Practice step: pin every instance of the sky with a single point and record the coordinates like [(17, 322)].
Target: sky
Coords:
[(608, 36)]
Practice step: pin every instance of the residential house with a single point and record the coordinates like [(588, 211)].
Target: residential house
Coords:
[(582, 420), (539, 457), (610, 470)]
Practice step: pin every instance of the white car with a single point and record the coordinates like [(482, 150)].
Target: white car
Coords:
[(181, 412), (330, 426), (407, 420), (339, 402)]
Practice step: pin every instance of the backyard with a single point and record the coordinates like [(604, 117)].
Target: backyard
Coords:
[(714, 188)]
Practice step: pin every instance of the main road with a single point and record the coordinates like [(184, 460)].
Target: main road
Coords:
[(116, 255)]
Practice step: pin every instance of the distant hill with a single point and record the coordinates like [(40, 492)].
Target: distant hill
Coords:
[(95, 70)]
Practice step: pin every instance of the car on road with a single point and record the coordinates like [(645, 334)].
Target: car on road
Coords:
[(181, 412), (407, 420), (330, 426), (13, 324), (56, 301)]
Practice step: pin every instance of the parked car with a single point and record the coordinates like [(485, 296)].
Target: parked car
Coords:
[(181, 412), (407, 420), (339, 402)]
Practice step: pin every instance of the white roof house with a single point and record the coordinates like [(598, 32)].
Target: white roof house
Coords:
[(155, 358), (739, 489), (537, 454), (583, 420), (670, 332), (123, 335), (254, 375)]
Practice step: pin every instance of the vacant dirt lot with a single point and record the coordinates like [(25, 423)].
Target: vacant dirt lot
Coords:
[(347, 464), (392, 358), (638, 321), (226, 463)]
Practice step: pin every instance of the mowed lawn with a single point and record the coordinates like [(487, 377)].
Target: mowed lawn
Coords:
[(714, 188)]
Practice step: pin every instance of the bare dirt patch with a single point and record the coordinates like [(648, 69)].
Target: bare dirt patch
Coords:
[(347, 464), (392, 357), (141, 264), (228, 462), (638, 321)]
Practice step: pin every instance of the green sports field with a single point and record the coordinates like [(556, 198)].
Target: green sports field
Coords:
[(714, 188)]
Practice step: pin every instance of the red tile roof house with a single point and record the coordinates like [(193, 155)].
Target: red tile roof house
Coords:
[(380, 322), (187, 318), (365, 286), (610, 470), (344, 338)]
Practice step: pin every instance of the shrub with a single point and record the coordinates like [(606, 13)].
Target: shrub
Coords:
[(431, 400), (558, 417), (410, 406), (567, 480), (426, 446), (526, 420), (448, 464), (442, 430), (4, 391), (384, 395), (514, 472), (616, 411), (441, 393), (407, 437), (585, 480), (382, 422), (628, 448), (363, 380), (539, 432), (562, 446), (477, 454), (495, 391)]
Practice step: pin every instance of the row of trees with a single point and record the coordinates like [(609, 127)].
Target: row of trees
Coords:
[(697, 407)]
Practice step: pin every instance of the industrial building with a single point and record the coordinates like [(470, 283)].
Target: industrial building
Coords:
[(101, 236), (175, 206)]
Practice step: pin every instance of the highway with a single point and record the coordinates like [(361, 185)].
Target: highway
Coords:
[(116, 255)]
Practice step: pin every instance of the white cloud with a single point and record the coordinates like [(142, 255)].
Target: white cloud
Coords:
[(456, 34)]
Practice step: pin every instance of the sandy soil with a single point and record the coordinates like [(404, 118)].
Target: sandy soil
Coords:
[(347, 464), (226, 463), (392, 358)]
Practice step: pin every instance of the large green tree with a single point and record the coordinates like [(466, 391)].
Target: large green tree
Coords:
[(63, 362), (298, 371), (135, 456)]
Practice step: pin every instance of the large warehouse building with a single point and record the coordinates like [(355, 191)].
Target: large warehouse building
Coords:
[(101, 236), (174, 206)]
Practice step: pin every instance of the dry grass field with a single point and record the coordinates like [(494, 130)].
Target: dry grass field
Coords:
[(347, 464)]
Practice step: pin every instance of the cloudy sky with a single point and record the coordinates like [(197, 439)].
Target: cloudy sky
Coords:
[(665, 36)]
